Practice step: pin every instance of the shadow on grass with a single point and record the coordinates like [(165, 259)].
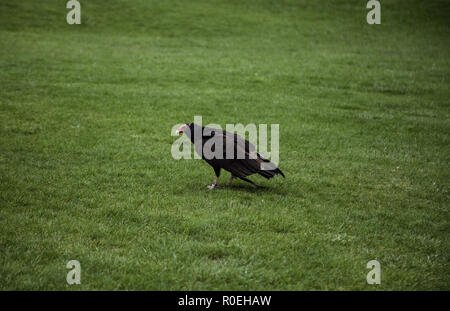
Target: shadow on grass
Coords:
[(243, 187)]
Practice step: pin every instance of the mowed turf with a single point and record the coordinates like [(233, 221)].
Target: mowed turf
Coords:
[(86, 171)]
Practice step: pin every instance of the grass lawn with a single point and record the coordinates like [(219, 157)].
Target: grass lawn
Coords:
[(86, 171)]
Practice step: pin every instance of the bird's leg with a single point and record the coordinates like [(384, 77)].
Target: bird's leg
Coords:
[(217, 172), (230, 180), (214, 184)]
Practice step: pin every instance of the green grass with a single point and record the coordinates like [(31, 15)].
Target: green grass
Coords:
[(86, 171)]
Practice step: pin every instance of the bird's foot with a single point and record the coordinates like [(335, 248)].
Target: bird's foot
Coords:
[(212, 186)]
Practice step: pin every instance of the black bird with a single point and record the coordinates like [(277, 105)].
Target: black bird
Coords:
[(237, 155)]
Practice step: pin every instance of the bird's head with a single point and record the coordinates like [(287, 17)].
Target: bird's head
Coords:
[(184, 128)]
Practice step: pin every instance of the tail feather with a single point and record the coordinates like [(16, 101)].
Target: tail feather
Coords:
[(270, 173), (280, 172), (266, 174)]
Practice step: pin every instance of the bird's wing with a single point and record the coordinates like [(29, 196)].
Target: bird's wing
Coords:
[(240, 156)]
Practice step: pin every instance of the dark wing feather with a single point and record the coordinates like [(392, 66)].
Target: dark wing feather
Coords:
[(246, 161)]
